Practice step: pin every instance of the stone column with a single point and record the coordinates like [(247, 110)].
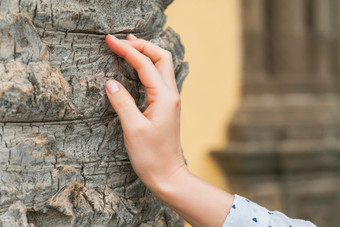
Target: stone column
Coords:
[(323, 20), (284, 144), (62, 157), (255, 48), (336, 42), (289, 40)]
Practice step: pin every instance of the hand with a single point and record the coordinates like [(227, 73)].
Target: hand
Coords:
[(152, 138)]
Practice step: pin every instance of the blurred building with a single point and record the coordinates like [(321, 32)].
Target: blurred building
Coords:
[(284, 140)]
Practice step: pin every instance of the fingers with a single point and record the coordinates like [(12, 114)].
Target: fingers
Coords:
[(160, 57), (147, 72), (124, 105)]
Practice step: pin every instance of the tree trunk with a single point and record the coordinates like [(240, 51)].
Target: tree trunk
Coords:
[(62, 156)]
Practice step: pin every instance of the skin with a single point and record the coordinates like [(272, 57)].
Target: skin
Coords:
[(152, 138)]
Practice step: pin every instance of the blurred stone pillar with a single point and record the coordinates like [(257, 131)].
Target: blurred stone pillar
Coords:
[(336, 46), (254, 42), (288, 38), (284, 140)]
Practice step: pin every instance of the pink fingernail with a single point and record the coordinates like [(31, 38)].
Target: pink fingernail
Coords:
[(133, 37), (112, 86), (111, 36)]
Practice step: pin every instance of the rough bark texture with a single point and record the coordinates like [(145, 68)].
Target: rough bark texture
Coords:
[(62, 157)]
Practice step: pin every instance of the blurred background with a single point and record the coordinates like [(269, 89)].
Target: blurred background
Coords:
[(261, 104), (211, 34)]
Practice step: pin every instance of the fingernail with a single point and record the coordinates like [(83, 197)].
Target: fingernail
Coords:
[(112, 86), (111, 36), (133, 37)]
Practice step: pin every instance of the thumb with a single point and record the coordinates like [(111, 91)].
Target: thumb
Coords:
[(123, 104)]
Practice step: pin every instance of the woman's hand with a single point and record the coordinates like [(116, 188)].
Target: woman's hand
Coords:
[(152, 138)]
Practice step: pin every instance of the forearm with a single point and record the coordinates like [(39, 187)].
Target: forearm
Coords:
[(198, 202)]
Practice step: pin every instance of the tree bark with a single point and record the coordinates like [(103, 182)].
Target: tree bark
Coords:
[(62, 156)]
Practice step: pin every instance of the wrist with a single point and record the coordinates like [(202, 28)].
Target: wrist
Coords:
[(164, 187), (197, 201)]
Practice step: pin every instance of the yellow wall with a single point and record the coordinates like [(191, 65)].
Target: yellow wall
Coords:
[(211, 33)]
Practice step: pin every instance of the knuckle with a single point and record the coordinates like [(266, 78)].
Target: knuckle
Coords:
[(175, 100), (124, 101), (168, 54), (147, 61)]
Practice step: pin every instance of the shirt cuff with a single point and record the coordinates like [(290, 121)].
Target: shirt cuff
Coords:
[(245, 213)]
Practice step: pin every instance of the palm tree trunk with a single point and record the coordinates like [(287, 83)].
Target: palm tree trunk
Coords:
[(62, 157)]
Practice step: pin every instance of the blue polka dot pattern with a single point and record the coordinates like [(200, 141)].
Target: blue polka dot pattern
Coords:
[(250, 214)]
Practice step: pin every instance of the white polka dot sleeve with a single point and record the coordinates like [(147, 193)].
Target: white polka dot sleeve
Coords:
[(245, 213)]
